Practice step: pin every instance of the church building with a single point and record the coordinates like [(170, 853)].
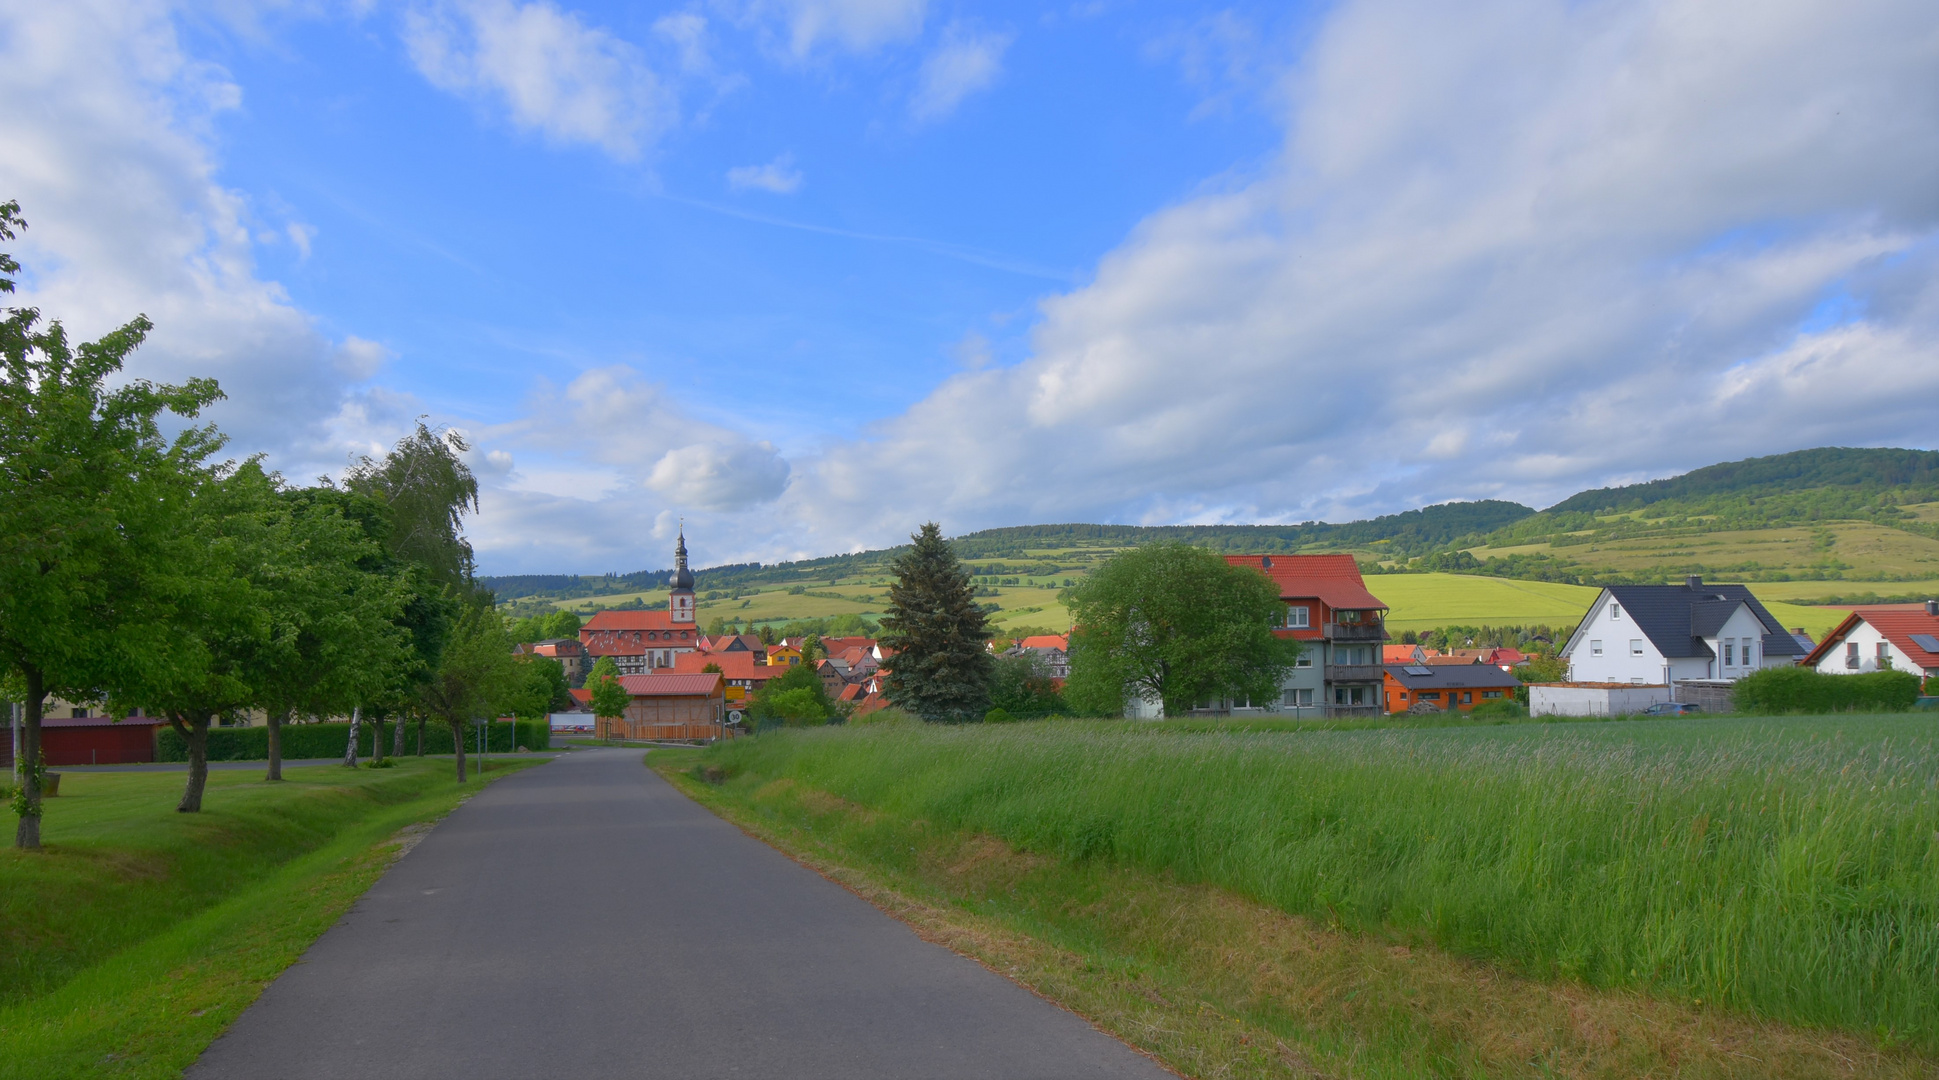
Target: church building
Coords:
[(641, 642)]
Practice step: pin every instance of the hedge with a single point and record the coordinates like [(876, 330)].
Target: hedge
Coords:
[(328, 740), (1802, 690)]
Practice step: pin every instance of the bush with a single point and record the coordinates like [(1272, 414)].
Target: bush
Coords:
[(998, 716), (1505, 709), (1775, 691), (328, 740)]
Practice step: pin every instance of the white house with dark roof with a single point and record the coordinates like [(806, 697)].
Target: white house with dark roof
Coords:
[(1661, 634)]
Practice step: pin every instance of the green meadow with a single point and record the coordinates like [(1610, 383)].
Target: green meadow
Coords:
[(1777, 869)]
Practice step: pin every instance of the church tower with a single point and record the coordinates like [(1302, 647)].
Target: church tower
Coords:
[(680, 601)]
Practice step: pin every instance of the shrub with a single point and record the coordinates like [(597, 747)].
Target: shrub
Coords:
[(328, 740), (998, 716), (1504, 709), (1780, 690)]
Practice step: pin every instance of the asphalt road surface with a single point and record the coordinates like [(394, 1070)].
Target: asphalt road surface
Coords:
[(584, 919)]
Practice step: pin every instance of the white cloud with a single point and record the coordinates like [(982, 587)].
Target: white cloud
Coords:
[(778, 176), (854, 25), (106, 123), (570, 82), (966, 62), (1511, 248)]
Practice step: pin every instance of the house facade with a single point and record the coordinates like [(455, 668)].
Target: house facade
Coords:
[(1050, 651), (569, 652), (1885, 637), (1657, 635), (1341, 628), (1445, 687), (670, 707)]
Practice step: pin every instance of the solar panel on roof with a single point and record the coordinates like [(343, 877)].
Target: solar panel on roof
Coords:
[(1926, 642), (1429, 671)]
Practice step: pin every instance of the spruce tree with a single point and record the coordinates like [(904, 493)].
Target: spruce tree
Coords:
[(941, 670)]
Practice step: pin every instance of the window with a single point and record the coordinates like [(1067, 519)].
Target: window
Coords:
[(1349, 695), (1851, 655), (1430, 695), (1884, 656), (1615, 611), (1403, 695), (1299, 616), (1467, 697), (1730, 652), (1595, 648), (1297, 698), (1488, 695), (1635, 646), (1305, 660)]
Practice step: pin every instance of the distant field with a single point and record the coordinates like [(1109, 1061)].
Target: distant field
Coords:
[(1858, 548), (1815, 590), (1425, 601)]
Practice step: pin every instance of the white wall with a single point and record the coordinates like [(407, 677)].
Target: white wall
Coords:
[(1867, 638), (1554, 699), (1742, 628), (1615, 630)]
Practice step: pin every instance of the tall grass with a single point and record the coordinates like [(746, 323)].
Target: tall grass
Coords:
[(1784, 867)]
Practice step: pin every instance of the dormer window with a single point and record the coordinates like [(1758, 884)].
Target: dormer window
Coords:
[(1298, 616)]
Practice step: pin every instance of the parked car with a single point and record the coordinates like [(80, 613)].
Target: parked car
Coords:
[(1672, 708)]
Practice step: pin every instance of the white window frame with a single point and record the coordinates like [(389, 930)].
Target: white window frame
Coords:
[(1635, 646), (1595, 646), (1730, 652), (1615, 611), (1298, 616)]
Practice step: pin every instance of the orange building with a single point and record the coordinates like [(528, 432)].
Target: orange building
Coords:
[(669, 707), (1445, 686)]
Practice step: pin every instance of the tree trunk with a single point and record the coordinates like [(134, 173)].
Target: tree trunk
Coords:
[(397, 739), (420, 735), (276, 721), (195, 732), (458, 742), (26, 835), (356, 727), (377, 739)]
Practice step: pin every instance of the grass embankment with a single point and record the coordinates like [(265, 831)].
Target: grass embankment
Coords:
[(138, 934), (1648, 898)]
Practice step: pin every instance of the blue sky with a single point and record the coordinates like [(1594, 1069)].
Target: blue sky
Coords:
[(810, 272)]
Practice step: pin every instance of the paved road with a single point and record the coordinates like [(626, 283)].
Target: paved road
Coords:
[(583, 919)]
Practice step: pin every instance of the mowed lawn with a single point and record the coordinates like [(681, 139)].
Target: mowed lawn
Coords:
[(1778, 869), (137, 933)]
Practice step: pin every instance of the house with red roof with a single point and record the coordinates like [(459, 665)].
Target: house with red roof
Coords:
[(1050, 651), (741, 672), (1341, 628), (678, 707), (1885, 637)]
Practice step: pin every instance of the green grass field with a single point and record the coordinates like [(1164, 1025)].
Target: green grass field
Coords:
[(1777, 868), (138, 933)]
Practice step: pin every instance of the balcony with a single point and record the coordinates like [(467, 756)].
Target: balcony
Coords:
[(1352, 631), (1352, 673)]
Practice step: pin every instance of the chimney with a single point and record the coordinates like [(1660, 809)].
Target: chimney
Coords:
[(1932, 607), (1693, 581), (1798, 630)]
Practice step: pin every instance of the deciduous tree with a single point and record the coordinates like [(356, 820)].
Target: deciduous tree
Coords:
[(941, 669), (1176, 623), (475, 676), (91, 494)]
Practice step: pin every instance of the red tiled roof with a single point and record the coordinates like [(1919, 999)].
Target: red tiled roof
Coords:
[(1453, 661), (733, 665), (631, 620), (681, 685), (835, 646), (1896, 623), (1334, 580), (851, 692), (1398, 654), (582, 696), (1046, 641)]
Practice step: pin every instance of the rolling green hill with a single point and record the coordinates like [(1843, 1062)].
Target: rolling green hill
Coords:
[(1825, 525)]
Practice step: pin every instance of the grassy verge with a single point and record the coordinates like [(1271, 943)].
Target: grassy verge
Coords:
[(140, 934), (1635, 877)]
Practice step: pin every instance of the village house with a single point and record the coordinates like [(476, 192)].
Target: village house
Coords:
[(569, 652), (742, 672), (1661, 634), (1051, 652), (669, 707), (641, 642), (1446, 687), (1885, 637), (1341, 628)]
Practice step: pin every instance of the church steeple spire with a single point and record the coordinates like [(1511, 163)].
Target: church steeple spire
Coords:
[(680, 600)]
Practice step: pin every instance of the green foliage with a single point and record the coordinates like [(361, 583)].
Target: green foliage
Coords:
[(1176, 623), (1503, 709), (476, 675), (1861, 470), (602, 668), (1020, 689), (795, 698), (609, 698), (540, 688), (941, 670), (1779, 867), (302, 741), (557, 624), (998, 716), (1414, 530), (1779, 690), (428, 489)]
